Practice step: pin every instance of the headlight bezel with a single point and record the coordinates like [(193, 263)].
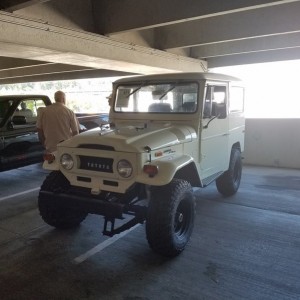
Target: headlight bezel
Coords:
[(124, 168), (67, 161)]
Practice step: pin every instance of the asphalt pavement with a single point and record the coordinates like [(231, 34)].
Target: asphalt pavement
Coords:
[(242, 247)]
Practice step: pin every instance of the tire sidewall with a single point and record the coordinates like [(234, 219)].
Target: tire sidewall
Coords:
[(228, 183), (235, 168)]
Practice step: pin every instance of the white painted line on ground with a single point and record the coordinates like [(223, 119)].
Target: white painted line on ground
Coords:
[(103, 245), (19, 194)]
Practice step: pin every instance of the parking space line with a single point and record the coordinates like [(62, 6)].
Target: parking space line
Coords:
[(19, 194), (103, 245)]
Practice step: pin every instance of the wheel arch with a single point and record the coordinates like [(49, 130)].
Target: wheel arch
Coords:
[(189, 173)]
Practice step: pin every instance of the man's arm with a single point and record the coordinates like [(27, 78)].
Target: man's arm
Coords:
[(41, 136), (74, 125), (39, 126)]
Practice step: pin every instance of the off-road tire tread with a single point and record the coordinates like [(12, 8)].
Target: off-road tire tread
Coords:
[(159, 226), (52, 212)]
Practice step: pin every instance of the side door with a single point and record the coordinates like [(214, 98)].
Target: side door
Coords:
[(215, 132)]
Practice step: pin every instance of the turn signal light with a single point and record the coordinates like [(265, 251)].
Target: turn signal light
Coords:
[(151, 170), (49, 157)]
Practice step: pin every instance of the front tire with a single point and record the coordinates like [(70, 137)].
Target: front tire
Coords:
[(52, 211), (228, 183), (170, 217)]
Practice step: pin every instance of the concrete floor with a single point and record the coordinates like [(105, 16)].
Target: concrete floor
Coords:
[(242, 247)]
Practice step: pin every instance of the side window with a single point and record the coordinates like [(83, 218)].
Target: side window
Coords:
[(236, 101), (215, 102), (27, 112)]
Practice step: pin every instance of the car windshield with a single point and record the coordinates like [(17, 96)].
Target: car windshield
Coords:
[(4, 107), (157, 98)]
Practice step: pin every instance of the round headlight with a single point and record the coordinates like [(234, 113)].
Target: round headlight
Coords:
[(67, 161), (124, 168)]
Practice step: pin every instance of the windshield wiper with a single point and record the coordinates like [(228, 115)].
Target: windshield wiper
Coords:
[(137, 89), (167, 91)]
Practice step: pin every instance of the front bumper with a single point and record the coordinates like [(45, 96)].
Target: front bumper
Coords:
[(87, 204)]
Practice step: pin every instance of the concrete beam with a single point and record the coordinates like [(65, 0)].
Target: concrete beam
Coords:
[(50, 68), (254, 58), (75, 14), (118, 16), (143, 37), (7, 63), (31, 39), (266, 21), (64, 76), (281, 41), (13, 5)]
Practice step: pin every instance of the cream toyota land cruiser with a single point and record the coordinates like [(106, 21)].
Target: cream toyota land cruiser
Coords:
[(171, 133)]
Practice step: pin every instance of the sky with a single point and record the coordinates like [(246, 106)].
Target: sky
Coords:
[(272, 89)]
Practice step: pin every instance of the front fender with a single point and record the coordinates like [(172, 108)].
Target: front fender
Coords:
[(167, 168)]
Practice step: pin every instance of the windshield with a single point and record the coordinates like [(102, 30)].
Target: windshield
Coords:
[(157, 98)]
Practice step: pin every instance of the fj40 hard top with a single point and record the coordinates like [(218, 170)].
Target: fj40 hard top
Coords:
[(169, 134)]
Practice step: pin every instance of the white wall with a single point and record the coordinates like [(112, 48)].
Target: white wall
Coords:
[(273, 142)]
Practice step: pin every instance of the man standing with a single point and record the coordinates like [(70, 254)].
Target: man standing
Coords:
[(56, 123)]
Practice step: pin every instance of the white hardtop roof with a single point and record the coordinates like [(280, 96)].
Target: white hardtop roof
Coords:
[(177, 76)]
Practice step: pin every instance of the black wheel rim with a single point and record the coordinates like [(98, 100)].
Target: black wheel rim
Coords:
[(182, 219)]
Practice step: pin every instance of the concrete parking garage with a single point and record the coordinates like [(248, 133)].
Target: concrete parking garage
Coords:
[(242, 247)]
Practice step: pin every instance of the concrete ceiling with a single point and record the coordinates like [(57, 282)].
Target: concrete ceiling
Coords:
[(70, 39)]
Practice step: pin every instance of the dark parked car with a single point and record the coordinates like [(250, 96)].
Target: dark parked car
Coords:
[(19, 144)]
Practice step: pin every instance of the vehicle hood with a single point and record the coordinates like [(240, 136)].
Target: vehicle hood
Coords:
[(132, 138)]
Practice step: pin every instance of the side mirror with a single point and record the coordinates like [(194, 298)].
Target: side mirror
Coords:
[(10, 125), (82, 128)]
